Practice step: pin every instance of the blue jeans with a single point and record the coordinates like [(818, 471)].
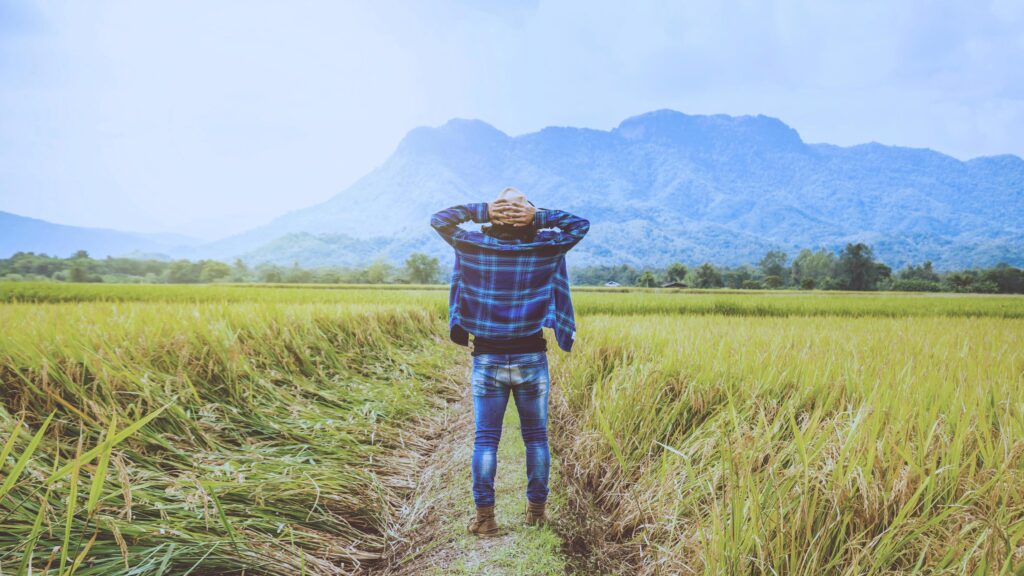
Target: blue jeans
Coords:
[(526, 377)]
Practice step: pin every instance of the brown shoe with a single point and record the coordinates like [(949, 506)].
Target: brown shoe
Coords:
[(535, 513), (484, 524)]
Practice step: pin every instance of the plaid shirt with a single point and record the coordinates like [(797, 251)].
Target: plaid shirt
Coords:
[(510, 288)]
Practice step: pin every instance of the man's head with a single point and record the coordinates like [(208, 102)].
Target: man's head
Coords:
[(507, 231)]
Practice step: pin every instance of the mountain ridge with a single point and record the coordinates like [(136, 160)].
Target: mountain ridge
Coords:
[(26, 234), (665, 186), (687, 187)]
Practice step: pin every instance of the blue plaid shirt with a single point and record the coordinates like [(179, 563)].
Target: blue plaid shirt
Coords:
[(510, 288)]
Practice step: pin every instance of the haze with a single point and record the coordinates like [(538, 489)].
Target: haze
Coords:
[(207, 118)]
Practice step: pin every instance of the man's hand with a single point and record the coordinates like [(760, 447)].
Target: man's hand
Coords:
[(518, 214), (497, 211)]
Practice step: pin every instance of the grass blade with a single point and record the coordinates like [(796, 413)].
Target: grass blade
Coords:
[(100, 476), (88, 456), (19, 466)]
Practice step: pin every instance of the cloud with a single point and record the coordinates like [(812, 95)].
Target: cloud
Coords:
[(210, 118)]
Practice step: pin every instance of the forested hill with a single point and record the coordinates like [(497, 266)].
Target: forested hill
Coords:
[(667, 186), (659, 188)]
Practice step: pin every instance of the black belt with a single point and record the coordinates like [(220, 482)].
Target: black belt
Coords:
[(533, 343)]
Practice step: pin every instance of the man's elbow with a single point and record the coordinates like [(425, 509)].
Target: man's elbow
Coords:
[(584, 227)]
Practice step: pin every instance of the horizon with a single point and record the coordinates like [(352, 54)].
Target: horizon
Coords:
[(110, 121)]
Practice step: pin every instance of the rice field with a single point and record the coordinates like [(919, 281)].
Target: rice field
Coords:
[(148, 438), (216, 429), (586, 300), (804, 445)]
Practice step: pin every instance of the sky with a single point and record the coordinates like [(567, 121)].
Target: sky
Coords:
[(209, 118)]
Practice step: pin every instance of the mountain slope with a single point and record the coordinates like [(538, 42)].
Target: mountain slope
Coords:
[(23, 234), (667, 186)]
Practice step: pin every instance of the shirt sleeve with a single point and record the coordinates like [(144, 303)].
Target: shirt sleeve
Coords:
[(446, 222), (571, 228)]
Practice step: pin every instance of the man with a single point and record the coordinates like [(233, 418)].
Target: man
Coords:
[(508, 283)]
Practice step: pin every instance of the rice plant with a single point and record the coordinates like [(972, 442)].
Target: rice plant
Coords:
[(803, 445), (271, 430), (587, 301), (148, 438)]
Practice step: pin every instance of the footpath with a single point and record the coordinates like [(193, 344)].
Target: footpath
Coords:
[(437, 540)]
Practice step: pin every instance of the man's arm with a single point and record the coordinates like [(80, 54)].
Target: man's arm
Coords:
[(571, 228), (446, 222)]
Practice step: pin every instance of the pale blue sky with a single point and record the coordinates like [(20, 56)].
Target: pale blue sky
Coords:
[(208, 118)]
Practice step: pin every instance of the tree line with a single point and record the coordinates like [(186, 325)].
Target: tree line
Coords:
[(80, 267), (853, 268)]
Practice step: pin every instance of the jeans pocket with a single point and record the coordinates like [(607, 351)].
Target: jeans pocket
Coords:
[(484, 380)]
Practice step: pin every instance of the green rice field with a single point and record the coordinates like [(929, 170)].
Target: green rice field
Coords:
[(278, 430)]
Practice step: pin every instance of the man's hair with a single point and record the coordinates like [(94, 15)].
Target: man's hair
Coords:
[(509, 232)]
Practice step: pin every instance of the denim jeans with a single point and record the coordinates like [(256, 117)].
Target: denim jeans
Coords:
[(494, 376)]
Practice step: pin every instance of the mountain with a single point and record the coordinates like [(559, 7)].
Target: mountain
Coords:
[(23, 234), (658, 188), (667, 186)]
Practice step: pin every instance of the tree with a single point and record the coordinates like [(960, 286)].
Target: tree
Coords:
[(707, 276), (78, 273), (772, 282), (924, 272), (646, 279), (598, 275), (815, 266), (883, 276), (422, 269), (857, 269), (183, 272), (675, 273), (970, 281), (239, 271), (271, 273), (82, 268), (741, 277), (213, 271), (379, 272), (774, 264), (1008, 280)]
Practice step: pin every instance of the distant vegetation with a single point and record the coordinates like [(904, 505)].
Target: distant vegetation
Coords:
[(80, 267), (854, 268)]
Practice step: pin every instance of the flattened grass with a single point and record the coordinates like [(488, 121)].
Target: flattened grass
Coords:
[(282, 437)]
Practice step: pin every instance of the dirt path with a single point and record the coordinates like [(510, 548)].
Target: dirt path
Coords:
[(443, 505)]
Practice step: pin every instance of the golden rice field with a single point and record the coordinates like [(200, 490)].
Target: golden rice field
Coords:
[(211, 429), (148, 437), (803, 445)]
